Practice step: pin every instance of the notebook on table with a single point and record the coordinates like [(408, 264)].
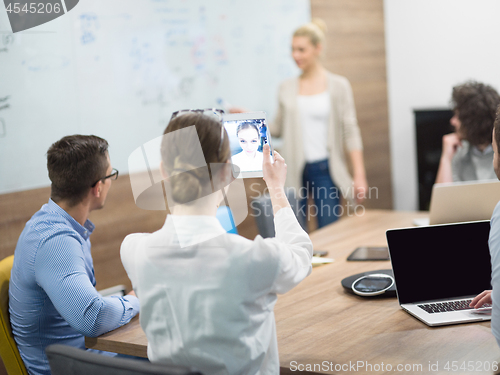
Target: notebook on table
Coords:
[(462, 201), (439, 269)]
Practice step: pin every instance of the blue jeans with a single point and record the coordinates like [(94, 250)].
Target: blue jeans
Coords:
[(317, 182)]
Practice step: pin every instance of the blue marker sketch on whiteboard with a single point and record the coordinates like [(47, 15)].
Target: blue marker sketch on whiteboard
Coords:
[(142, 54), (7, 41), (177, 24), (149, 76), (220, 52), (175, 32), (89, 24), (43, 63), (198, 53)]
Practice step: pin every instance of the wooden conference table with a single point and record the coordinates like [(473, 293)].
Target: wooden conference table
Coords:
[(323, 329)]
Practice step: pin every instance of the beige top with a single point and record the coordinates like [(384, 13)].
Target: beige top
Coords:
[(343, 131)]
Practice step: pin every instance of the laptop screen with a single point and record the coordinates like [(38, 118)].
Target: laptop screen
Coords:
[(441, 261)]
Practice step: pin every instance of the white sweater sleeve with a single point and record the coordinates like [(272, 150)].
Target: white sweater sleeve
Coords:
[(295, 251)]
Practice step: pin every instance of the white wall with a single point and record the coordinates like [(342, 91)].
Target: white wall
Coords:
[(433, 45)]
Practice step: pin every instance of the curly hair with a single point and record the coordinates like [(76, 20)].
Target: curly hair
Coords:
[(497, 127), (476, 104)]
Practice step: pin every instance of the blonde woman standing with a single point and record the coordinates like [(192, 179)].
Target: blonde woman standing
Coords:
[(317, 120)]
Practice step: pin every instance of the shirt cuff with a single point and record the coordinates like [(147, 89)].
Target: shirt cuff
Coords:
[(132, 303)]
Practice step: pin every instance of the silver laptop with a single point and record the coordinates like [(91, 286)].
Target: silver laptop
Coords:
[(462, 201), (438, 269)]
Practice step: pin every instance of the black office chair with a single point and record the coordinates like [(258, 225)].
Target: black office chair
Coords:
[(263, 213), (67, 360)]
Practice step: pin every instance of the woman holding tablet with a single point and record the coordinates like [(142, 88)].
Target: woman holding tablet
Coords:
[(249, 159), (207, 296), (317, 120)]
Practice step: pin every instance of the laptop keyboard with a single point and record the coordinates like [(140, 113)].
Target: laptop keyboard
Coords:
[(439, 307)]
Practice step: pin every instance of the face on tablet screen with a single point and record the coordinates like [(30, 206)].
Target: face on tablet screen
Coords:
[(247, 137)]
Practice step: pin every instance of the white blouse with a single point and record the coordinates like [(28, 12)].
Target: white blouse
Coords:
[(246, 164), (314, 118), (210, 304)]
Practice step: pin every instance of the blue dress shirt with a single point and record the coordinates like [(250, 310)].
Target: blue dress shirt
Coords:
[(494, 244), (52, 295)]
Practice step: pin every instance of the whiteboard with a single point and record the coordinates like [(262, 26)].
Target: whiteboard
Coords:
[(119, 68)]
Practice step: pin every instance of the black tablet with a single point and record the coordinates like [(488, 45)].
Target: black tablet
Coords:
[(369, 253)]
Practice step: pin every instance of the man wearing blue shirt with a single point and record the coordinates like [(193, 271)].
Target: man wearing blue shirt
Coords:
[(493, 296), (52, 295)]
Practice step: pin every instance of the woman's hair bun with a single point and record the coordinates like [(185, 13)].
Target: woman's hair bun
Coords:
[(314, 30), (189, 171), (185, 182), (320, 23)]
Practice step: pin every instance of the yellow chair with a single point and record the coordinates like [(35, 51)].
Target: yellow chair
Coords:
[(8, 348)]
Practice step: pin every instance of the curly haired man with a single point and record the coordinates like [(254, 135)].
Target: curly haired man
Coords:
[(467, 153)]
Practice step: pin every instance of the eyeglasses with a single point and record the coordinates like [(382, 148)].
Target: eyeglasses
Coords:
[(210, 111), (113, 176)]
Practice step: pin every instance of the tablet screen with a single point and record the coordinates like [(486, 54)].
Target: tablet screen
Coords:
[(248, 133)]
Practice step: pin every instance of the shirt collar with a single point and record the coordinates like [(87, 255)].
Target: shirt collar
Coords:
[(193, 229), (200, 223), (487, 150), (85, 231)]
